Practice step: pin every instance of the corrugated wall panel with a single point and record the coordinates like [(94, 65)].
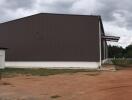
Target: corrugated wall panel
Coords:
[(51, 37)]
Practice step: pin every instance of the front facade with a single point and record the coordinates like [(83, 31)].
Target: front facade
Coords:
[(54, 40)]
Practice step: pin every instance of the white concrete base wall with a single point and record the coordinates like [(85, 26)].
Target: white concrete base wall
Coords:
[(104, 61), (64, 65)]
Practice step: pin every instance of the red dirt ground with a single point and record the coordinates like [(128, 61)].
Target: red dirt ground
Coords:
[(79, 86)]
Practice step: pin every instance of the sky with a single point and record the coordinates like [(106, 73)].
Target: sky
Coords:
[(116, 14)]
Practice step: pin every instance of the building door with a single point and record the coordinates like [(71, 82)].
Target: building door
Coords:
[(2, 59)]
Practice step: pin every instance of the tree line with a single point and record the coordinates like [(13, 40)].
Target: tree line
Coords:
[(119, 52)]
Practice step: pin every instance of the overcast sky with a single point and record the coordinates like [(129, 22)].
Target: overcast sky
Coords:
[(116, 14)]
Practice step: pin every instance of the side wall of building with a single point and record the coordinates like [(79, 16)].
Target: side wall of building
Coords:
[(52, 38)]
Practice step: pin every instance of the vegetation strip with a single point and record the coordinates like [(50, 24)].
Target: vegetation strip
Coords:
[(40, 71)]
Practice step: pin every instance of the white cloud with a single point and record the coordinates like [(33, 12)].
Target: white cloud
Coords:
[(85, 6), (21, 13), (122, 32)]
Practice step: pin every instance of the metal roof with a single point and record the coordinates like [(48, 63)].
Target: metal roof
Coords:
[(111, 38)]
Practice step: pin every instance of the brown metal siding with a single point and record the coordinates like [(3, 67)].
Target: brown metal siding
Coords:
[(51, 37)]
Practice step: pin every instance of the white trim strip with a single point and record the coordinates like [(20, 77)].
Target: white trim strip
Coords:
[(87, 65)]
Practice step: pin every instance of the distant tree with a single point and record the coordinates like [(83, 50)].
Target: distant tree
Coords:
[(128, 51), (115, 51)]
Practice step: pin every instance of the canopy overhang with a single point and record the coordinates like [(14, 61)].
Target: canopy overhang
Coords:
[(110, 38)]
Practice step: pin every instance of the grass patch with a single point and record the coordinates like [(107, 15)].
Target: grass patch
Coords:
[(5, 83), (10, 72), (122, 63), (55, 96), (92, 74)]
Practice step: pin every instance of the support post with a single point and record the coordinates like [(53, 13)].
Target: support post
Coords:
[(0, 74)]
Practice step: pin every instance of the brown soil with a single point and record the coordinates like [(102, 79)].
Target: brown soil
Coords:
[(79, 86)]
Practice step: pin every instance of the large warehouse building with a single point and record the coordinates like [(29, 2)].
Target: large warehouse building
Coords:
[(55, 40)]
